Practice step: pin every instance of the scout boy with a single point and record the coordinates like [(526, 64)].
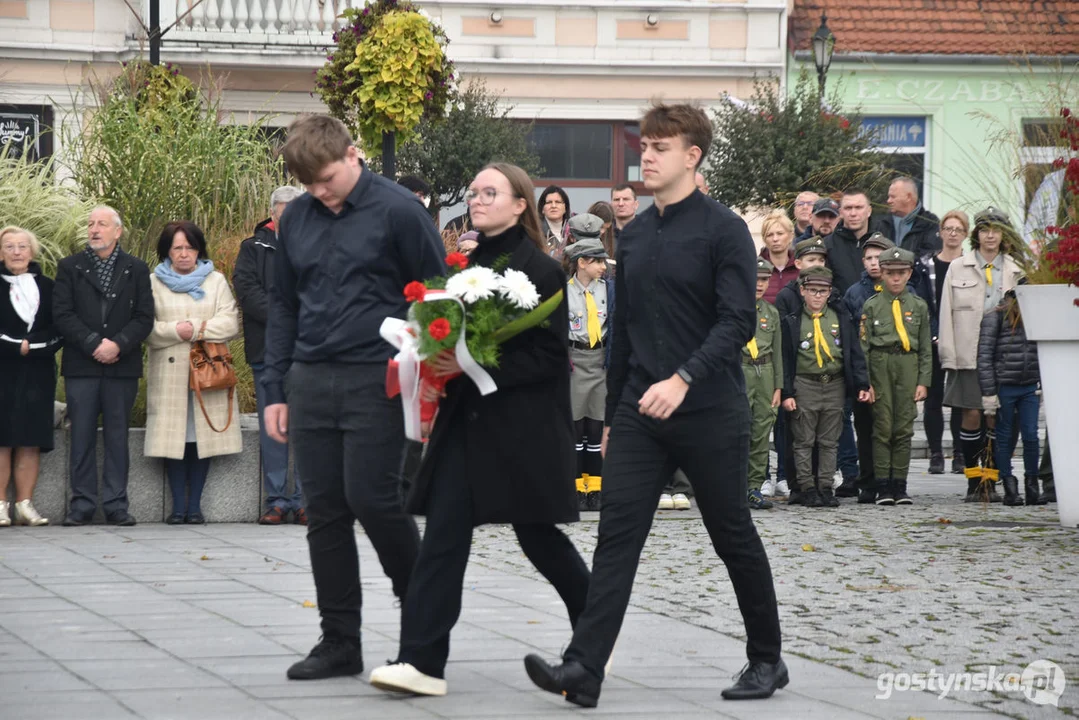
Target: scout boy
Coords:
[(823, 365), (762, 365), (896, 338)]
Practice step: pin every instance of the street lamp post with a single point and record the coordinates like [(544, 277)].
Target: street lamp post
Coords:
[(823, 45)]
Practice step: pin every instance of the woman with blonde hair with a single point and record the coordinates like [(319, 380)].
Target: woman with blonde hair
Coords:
[(777, 232), (28, 342)]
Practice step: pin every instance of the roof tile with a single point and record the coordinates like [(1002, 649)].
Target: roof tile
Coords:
[(945, 27)]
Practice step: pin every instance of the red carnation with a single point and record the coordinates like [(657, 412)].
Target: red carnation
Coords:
[(415, 291), (457, 260), (439, 329)]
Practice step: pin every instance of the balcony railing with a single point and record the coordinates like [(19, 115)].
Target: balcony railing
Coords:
[(300, 18)]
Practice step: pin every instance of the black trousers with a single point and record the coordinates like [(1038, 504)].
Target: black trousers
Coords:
[(112, 400), (712, 447), (348, 439), (433, 604), (863, 434), (934, 411)]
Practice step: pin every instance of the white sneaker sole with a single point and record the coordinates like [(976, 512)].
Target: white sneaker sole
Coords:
[(403, 678)]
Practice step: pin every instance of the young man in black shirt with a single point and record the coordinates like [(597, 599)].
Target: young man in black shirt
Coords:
[(347, 248), (676, 398)]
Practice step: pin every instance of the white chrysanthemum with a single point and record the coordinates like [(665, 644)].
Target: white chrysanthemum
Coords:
[(519, 290), (475, 283)]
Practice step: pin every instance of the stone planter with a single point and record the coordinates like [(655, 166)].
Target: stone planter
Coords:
[(1051, 318)]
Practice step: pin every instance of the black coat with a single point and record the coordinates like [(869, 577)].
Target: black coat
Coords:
[(27, 382), (519, 441), (845, 252), (85, 313), (855, 372), (923, 237), (252, 279), (1005, 356)]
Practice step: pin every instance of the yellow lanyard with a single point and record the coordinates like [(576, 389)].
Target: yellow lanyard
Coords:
[(819, 341), (594, 333), (897, 315)]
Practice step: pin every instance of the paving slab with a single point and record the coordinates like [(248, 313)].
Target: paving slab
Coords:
[(176, 622)]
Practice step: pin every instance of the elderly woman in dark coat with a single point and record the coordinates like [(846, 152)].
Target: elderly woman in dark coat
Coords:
[(28, 342), (507, 457)]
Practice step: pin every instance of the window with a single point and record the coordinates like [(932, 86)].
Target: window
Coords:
[(573, 151), (904, 140), (1041, 185)]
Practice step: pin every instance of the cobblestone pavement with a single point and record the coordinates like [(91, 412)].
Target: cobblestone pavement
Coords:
[(201, 622), (940, 584)]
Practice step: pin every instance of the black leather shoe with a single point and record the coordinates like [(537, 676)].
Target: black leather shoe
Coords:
[(848, 489), (867, 497), (332, 657), (74, 520), (758, 681), (828, 499), (812, 499), (570, 679), (175, 519), (120, 518), (797, 497), (195, 519)]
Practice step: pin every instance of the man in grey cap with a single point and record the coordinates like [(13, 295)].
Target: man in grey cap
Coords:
[(590, 302), (823, 220)]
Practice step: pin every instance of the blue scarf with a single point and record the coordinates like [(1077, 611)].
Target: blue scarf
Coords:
[(190, 283)]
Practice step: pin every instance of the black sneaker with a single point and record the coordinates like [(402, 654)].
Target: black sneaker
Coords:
[(958, 464), (593, 502), (848, 489), (867, 497), (334, 656), (797, 497), (758, 501), (120, 518), (936, 463), (828, 499), (812, 499)]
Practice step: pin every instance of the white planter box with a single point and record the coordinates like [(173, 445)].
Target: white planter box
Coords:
[(1051, 318)]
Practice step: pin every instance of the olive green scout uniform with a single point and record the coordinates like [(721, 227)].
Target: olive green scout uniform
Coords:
[(899, 361), (820, 387), (762, 365)]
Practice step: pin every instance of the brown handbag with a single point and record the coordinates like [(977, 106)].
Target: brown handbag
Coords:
[(211, 369)]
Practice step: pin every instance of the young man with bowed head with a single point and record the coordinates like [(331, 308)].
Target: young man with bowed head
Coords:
[(676, 398), (346, 250)]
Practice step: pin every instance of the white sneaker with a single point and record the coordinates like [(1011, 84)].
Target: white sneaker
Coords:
[(781, 489), (666, 502), (27, 514), (404, 678), (680, 501), (5, 518), (768, 488)]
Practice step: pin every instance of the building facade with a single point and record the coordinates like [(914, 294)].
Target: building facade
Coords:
[(582, 72), (965, 99)]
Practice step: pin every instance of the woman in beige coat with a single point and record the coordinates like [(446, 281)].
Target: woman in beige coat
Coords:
[(974, 285), (187, 293)]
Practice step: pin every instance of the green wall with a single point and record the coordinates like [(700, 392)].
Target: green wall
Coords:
[(969, 164)]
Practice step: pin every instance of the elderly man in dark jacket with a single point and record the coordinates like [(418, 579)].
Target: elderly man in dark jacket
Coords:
[(252, 280), (104, 308), (913, 227)]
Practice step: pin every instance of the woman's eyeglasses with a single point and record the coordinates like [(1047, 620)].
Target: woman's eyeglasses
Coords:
[(952, 231), (485, 196)]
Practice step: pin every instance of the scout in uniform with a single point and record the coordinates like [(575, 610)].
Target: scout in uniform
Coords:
[(823, 364), (590, 299), (866, 287), (896, 337), (762, 365)]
